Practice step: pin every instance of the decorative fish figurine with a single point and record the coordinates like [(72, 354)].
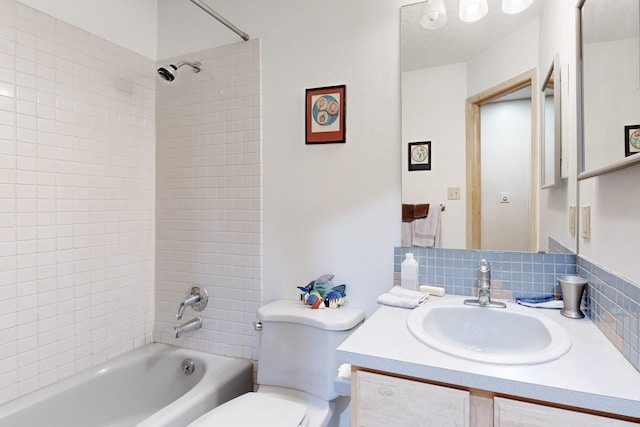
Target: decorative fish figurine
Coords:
[(336, 297), (321, 290)]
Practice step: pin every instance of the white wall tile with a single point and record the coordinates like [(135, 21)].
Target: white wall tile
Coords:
[(208, 206), (58, 152)]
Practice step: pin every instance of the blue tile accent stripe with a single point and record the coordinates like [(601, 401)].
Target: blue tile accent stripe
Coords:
[(613, 304), (513, 274)]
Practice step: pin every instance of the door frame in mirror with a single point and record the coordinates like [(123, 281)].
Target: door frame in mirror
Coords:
[(552, 79), (473, 156)]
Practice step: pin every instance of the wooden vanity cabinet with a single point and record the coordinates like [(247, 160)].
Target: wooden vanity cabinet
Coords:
[(511, 413), (381, 400)]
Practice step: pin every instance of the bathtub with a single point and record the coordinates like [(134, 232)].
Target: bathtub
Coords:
[(145, 388)]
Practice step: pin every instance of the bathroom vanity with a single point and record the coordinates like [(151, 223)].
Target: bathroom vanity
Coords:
[(398, 380)]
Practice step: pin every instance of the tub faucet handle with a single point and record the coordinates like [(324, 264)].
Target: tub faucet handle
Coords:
[(198, 299)]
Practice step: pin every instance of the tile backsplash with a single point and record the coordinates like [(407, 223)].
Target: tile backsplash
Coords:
[(513, 274), (613, 304)]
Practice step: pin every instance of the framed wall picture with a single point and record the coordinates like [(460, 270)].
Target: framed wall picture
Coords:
[(631, 140), (326, 109), (419, 156)]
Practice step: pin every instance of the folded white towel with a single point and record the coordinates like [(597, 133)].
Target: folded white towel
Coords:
[(404, 298)]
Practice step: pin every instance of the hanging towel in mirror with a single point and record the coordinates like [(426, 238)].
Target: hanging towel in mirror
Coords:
[(426, 231)]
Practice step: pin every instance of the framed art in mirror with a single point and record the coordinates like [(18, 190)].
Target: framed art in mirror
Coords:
[(419, 156), (631, 140)]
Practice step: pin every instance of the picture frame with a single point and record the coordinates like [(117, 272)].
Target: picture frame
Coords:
[(325, 118), (631, 140), (419, 155)]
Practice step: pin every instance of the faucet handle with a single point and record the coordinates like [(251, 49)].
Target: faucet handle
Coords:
[(484, 270), (198, 299)]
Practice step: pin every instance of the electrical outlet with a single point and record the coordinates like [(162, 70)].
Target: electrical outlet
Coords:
[(585, 222), (453, 193), (572, 220)]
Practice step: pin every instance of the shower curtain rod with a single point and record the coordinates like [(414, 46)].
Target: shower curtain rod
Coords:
[(220, 18)]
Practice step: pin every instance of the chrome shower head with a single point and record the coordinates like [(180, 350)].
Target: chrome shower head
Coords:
[(169, 73)]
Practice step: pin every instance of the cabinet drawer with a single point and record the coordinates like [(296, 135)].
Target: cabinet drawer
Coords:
[(382, 401), (513, 413)]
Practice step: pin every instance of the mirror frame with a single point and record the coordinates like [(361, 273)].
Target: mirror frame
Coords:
[(553, 77), (613, 166)]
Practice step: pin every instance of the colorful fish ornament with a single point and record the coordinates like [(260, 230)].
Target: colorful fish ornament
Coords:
[(322, 290), (336, 297)]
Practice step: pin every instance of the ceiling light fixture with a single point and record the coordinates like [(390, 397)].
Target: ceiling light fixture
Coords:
[(515, 6), (473, 10), (434, 14)]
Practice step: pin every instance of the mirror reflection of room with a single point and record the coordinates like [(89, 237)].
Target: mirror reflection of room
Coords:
[(611, 79), (444, 64)]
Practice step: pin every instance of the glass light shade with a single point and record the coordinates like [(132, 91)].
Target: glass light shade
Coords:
[(434, 14), (515, 6), (473, 10)]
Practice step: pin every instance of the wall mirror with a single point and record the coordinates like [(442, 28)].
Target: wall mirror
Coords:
[(609, 54), (442, 69), (551, 127)]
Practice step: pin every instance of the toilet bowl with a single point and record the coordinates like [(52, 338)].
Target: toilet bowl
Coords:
[(296, 369)]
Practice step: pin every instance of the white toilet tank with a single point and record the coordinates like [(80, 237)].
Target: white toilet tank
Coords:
[(298, 345)]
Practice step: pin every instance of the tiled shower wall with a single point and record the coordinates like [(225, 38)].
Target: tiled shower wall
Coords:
[(77, 161), (209, 198)]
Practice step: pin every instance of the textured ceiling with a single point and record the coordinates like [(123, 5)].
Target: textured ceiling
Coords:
[(456, 41)]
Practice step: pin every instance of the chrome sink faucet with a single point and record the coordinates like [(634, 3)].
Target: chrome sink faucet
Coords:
[(484, 287)]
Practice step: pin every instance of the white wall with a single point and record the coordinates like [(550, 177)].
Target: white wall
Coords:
[(614, 226), (330, 208), (504, 60), (557, 35), (77, 200), (433, 105), (129, 23)]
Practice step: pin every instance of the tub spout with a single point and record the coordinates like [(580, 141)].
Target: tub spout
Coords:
[(189, 326)]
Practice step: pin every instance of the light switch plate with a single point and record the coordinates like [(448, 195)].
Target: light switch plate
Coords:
[(453, 193), (585, 222), (572, 220)]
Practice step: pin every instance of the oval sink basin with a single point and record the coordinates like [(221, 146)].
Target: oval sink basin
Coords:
[(490, 335)]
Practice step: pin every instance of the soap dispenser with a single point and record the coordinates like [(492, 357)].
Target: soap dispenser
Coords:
[(409, 272)]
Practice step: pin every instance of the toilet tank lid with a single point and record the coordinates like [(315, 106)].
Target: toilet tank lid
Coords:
[(292, 311)]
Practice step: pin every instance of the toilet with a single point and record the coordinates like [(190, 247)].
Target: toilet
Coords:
[(296, 369)]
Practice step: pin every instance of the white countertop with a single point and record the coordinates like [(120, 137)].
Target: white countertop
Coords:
[(593, 374)]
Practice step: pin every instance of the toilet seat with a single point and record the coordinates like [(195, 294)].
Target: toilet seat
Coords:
[(255, 409)]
